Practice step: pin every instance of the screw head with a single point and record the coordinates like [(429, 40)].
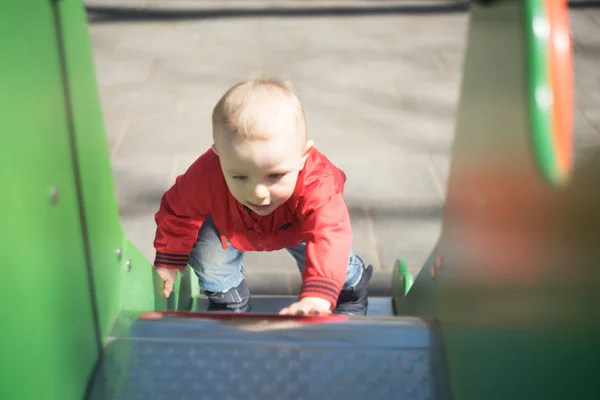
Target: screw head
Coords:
[(54, 195), (128, 265), (119, 253)]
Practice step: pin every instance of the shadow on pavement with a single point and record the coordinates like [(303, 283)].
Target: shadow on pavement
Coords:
[(146, 203), (107, 14), (580, 4)]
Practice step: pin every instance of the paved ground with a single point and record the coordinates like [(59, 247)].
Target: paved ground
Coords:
[(380, 91)]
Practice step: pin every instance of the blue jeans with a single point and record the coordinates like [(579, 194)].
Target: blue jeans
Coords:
[(220, 269)]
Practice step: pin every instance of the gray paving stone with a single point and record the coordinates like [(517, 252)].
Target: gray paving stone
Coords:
[(272, 281), (199, 99), (140, 230), (586, 42), (212, 50), (164, 40), (364, 242), (441, 164), (207, 33), (163, 135), (142, 99), (408, 231), (399, 180), (198, 68), (105, 38), (123, 70), (594, 17), (586, 137), (587, 83), (312, 36), (265, 269), (593, 117), (400, 115), (423, 134), (381, 283), (582, 22), (263, 261), (406, 32), (103, 45), (115, 126), (451, 63), (366, 72), (139, 184), (432, 96)]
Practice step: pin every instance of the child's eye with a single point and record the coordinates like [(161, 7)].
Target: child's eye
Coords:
[(276, 176), (240, 177)]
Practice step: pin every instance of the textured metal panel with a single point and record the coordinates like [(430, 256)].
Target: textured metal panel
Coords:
[(378, 306), (311, 362)]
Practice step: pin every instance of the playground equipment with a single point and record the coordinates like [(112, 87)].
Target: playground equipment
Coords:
[(503, 309)]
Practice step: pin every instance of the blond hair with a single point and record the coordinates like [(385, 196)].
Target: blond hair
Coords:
[(248, 109)]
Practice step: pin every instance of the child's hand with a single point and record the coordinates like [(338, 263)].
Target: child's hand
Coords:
[(168, 276), (308, 306)]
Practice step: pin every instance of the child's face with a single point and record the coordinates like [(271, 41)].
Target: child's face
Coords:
[(262, 174)]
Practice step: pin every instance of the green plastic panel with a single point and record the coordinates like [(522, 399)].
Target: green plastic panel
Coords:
[(550, 88), (516, 295), (49, 343), (414, 296), (540, 89), (122, 276), (70, 271)]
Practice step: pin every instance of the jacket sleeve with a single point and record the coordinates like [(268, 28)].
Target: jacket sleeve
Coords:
[(183, 209), (328, 236)]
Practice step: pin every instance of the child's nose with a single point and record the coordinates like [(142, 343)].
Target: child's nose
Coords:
[(261, 192)]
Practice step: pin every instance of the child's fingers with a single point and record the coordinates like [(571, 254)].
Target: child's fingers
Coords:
[(320, 312), (168, 287), (168, 277), (296, 309), (291, 310), (302, 311), (302, 308), (284, 311)]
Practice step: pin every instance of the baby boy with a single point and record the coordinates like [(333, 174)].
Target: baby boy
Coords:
[(262, 186)]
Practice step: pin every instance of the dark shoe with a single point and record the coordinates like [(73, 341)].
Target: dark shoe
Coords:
[(355, 301), (234, 300)]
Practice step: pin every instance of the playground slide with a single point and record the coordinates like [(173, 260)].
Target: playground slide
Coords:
[(502, 309)]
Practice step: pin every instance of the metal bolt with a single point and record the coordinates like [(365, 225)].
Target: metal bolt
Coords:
[(54, 195), (128, 265), (119, 253)]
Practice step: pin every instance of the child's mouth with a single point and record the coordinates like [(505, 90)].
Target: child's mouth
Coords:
[(252, 205)]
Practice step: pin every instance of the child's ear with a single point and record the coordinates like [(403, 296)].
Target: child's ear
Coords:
[(306, 152)]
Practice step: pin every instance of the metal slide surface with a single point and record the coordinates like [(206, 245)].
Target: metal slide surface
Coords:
[(271, 357)]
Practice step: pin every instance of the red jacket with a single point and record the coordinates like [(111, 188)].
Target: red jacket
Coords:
[(315, 213)]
